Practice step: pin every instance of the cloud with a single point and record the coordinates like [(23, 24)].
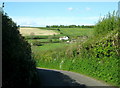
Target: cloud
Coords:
[(87, 8), (70, 8)]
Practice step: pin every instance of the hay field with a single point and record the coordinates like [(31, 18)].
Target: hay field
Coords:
[(36, 31)]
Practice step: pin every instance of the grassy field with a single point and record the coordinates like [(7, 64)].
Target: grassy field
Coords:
[(75, 32), (49, 47), (43, 40), (36, 31), (48, 41), (37, 36), (62, 48)]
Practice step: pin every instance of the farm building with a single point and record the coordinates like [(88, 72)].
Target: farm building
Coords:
[(64, 38)]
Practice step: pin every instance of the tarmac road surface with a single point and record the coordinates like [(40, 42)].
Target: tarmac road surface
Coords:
[(65, 79)]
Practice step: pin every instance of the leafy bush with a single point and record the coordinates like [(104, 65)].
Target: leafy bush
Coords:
[(37, 43), (19, 69), (106, 24), (103, 57)]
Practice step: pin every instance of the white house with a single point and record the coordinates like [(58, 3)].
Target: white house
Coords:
[(63, 38)]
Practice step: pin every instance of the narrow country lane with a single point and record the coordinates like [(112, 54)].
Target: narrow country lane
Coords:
[(66, 79)]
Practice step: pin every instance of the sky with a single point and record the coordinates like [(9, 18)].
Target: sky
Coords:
[(40, 14)]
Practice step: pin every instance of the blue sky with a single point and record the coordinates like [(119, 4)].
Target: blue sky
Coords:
[(58, 13)]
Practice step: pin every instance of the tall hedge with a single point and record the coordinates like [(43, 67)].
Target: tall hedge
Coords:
[(107, 24), (18, 67)]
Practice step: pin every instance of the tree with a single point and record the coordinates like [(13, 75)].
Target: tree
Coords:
[(18, 66), (47, 26)]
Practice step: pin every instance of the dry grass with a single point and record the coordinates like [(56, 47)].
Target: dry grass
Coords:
[(35, 31)]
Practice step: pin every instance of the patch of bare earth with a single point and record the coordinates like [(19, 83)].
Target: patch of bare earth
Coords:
[(36, 31)]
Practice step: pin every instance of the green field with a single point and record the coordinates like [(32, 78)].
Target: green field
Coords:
[(75, 32), (49, 47)]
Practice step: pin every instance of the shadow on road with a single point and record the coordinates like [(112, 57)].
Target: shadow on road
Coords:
[(55, 79)]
